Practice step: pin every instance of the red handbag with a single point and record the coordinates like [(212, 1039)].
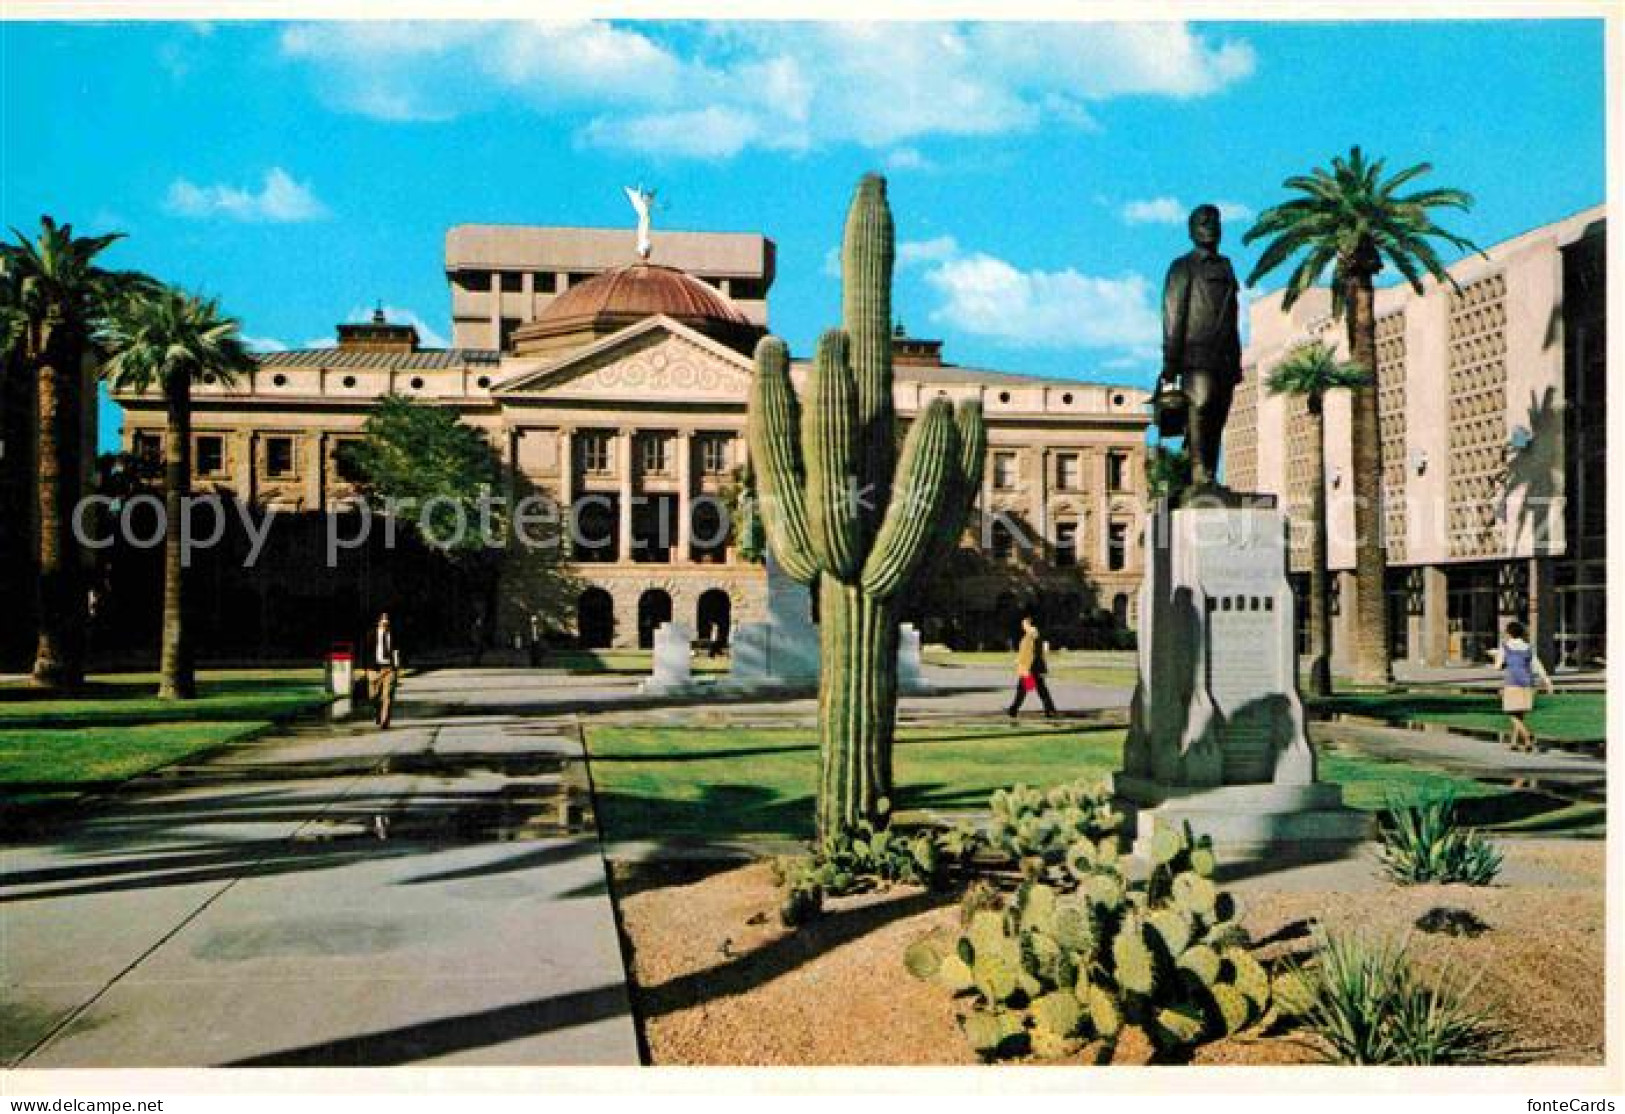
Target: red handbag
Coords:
[(1028, 682)]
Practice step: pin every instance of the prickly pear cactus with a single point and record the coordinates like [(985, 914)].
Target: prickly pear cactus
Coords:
[(843, 510), (1091, 952)]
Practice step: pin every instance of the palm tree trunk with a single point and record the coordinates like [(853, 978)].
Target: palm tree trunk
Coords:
[(1320, 595), (175, 678), (59, 653), (1370, 659)]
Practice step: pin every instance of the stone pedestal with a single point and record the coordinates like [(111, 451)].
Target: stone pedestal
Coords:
[(910, 669), (781, 652), (1216, 734), (673, 672)]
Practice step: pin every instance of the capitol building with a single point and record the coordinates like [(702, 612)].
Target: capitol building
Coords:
[(617, 385)]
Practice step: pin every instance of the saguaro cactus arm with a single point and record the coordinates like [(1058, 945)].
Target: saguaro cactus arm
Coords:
[(868, 250), (925, 481), (967, 482), (829, 446), (774, 436)]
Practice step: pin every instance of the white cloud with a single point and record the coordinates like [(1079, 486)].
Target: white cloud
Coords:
[(428, 336), (281, 200), (1171, 210), (320, 342), (714, 132), (911, 253), (790, 87), (988, 297), (264, 344), (908, 158)]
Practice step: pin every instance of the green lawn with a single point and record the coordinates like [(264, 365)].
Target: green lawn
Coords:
[(1107, 668), (52, 749), (1565, 716), (621, 661), (698, 784)]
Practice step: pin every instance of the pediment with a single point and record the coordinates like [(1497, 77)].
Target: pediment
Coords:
[(656, 360)]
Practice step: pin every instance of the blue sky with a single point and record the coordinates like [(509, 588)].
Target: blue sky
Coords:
[(1039, 174)]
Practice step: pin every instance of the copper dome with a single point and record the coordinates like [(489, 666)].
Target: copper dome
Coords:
[(611, 301)]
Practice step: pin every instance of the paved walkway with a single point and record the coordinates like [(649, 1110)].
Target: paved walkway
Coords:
[(1564, 773), (338, 896)]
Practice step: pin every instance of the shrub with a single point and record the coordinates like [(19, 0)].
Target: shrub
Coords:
[(852, 861), (1369, 1004), (1423, 843), (1083, 952)]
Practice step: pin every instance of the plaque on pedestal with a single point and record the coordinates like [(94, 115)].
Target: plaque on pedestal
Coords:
[(1216, 733)]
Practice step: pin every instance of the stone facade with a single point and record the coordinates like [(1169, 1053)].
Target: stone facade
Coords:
[(642, 430), (1490, 402)]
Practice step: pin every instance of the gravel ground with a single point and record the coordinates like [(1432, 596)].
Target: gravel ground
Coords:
[(718, 981)]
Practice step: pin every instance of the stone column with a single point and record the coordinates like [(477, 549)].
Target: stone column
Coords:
[(685, 468), (626, 438), (1343, 623), (564, 490), (1435, 633), (314, 457), (1041, 519), (496, 309)]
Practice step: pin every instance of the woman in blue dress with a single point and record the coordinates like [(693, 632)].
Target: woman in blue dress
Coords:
[(1520, 669)]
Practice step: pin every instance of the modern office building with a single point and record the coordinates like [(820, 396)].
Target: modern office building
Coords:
[(1492, 398)]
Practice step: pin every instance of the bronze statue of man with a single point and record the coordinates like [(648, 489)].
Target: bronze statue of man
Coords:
[(1201, 345)]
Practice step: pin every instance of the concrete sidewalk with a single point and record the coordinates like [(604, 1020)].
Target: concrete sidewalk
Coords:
[(1567, 774), (337, 896)]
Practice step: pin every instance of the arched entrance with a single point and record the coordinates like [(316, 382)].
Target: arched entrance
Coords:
[(1120, 610), (713, 615), (654, 608), (595, 619)]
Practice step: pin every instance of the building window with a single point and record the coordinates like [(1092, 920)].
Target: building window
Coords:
[(505, 331), (279, 457), (1116, 471), (654, 453), (512, 282), (1069, 472), (1002, 542), (1004, 471), (474, 282), (209, 455), (714, 455), (543, 282), (1066, 544), (345, 463), (1117, 546), (592, 449), (147, 448)]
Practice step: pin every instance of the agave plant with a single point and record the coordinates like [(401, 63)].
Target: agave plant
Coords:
[(1370, 1005), (1423, 843)]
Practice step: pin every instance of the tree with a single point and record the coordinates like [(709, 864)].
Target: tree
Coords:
[(59, 298), (427, 468), (1309, 372), (1167, 471), (1352, 219), (168, 339)]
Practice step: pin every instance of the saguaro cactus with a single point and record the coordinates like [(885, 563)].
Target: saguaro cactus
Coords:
[(844, 511)]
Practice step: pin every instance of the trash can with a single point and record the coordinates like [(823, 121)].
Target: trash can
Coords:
[(340, 662)]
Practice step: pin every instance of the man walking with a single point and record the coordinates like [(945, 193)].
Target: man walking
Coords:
[(386, 661), (1030, 670)]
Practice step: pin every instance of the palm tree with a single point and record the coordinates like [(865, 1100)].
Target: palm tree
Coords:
[(60, 297), (1354, 220), (1310, 371), (169, 339)]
